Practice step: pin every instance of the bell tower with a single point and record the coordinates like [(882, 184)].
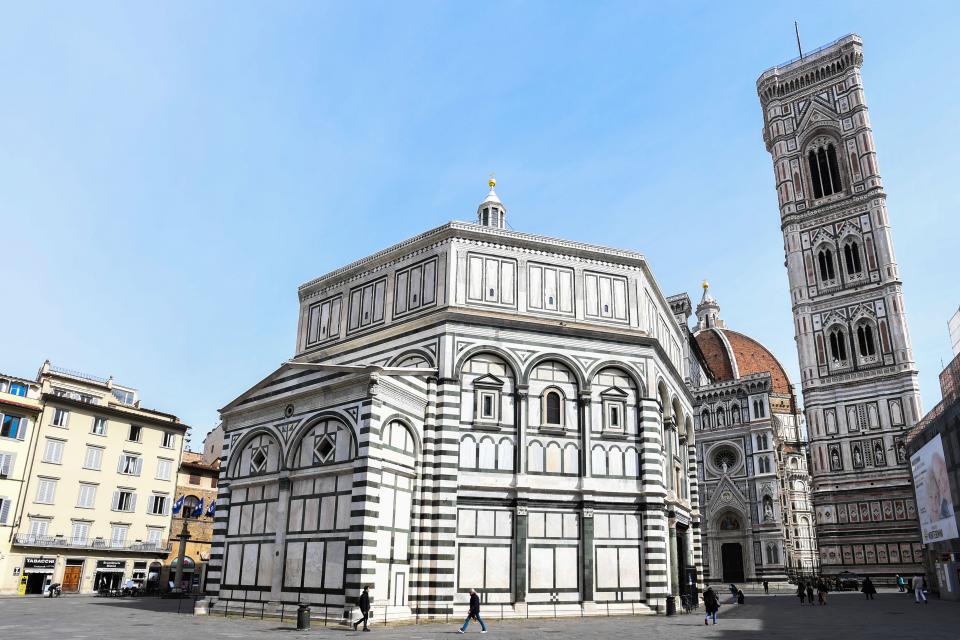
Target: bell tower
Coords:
[(857, 369)]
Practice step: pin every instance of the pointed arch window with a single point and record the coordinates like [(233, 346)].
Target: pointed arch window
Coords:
[(824, 170), (866, 341), (828, 272), (851, 256), (838, 346)]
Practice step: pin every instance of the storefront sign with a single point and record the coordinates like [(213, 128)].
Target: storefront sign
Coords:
[(46, 564), (934, 500), (111, 564)]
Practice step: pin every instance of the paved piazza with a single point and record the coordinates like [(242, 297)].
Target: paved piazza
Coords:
[(847, 616)]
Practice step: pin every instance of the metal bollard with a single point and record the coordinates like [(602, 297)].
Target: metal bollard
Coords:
[(303, 617)]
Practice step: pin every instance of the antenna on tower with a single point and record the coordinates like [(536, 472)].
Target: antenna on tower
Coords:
[(796, 28)]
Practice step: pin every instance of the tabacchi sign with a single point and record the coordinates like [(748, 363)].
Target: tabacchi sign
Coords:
[(934, 501)]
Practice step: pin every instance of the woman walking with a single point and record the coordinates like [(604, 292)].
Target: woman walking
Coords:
[(868, 589), (711, 604)]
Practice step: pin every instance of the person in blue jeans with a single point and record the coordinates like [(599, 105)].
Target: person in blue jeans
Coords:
[(473, 614)]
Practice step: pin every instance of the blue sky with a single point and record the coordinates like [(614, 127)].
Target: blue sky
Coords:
[(171, 172)]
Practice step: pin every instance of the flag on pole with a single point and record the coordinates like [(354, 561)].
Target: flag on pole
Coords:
[(199, 510), (211, 508), (178, 505)]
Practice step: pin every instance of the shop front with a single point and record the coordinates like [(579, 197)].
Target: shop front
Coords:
[(109, 574), (37, 574)]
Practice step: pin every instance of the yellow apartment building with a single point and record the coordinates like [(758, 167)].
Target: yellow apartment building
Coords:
[(98, 479)]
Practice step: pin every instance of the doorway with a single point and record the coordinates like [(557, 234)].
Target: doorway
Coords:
[(36, 582), (399, 589), (71, 577), (731, 554)]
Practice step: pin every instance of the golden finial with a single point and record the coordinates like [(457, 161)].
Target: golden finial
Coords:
[(705, 285), (492, 181)]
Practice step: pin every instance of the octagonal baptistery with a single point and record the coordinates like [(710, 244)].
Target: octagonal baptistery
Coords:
[(752, 455), (473, 408)]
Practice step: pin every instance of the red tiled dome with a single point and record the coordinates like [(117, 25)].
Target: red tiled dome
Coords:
[(730, 355)]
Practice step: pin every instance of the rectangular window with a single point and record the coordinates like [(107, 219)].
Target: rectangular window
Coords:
[(169, 440), (53, 451), (136, 432), (93, 458), (79, 533), (129, 464), (614, 414), (11, 427), (606, 297), (366, 305), (323, 320), (118, 535), (158, 505), (491, 280), (99, 426), (61, 417), (488, 405), (124, 500), (194, 478), (46, 491), (6, 464), (87, 496), (415, 287), (154, 537), (18, 389), (38, 527), (123, 396), (163, 469)]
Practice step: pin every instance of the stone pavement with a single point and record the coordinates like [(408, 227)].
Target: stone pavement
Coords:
[(848, 616)]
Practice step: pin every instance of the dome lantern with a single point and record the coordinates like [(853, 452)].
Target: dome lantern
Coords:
[(491, 212)]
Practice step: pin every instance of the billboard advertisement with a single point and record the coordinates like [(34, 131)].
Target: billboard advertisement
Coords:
[(934, 501)]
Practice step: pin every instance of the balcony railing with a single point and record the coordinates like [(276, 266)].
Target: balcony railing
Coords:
[(32, 540)]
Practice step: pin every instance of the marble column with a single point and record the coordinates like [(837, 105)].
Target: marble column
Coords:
[(520, 554), (586, 546)]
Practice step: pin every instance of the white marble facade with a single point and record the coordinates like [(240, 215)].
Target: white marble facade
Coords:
[(471, 408)]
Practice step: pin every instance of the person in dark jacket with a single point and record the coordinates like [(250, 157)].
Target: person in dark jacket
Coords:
[(766, 587), (801, 592), (364, 606), (473, 614), (868, 589), (711, 604), (810, 593)]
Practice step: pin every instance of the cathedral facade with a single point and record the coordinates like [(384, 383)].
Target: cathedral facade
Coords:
[(752, 457), (473, 408), (857, 368)]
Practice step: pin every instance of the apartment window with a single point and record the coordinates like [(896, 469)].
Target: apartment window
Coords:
[(61, 417), (169, 440), (87, 495), (136, 433), (39, 526), (6, 464), (129, 464), (79, 532), (158, 505), (163, 469), (213, 482), (154, 536), (93, 459), (194, 478), (13, 427), (18, 389), (46, 490), (53, 451), (99, 426), (4, 509), (118, 535), (122, 395), (124, 500)]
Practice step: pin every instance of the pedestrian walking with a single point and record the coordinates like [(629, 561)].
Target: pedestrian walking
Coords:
[(919, 590), (801, 592), (733, 590), (364, 605), (739, 596), (901, 584), (810, 593), (711, 604), (822, 591), (766, 588), (473, 614), (868, 589)]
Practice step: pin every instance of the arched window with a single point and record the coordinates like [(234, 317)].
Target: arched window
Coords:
[(865, 340), (190, 504), (851, 255), (838, 345), (824, 170), (553, 408), (825, 262)]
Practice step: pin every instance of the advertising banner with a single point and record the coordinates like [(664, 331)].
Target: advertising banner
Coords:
[(934, 501)]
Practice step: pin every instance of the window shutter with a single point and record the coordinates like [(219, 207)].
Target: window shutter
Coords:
[(22, 431), (6, 464), (133, 501), (116, 500), (138, 465), (4, 510)]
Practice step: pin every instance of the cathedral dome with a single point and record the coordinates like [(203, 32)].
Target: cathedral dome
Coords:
[(730, 355)]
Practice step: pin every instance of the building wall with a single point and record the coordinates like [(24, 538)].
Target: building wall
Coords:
[(861, 396), (198, 481), (68, 511)]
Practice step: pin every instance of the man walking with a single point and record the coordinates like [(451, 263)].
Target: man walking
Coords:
[(473, 614), (901, 583), (766, 588), (364, 605), (868, 589), (918, 591), (711, 604)]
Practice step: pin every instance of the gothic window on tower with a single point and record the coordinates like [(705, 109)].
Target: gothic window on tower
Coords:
[(866, 343), (838, 347), (851, 257), (828, 273), (824, 170)]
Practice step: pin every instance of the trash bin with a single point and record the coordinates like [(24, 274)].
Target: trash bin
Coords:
[(303, 617), (671, 606)]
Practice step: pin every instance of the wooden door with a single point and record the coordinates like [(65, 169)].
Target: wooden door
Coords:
[(71, 578)]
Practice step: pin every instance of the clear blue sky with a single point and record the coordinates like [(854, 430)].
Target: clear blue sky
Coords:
[(171, 172)]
